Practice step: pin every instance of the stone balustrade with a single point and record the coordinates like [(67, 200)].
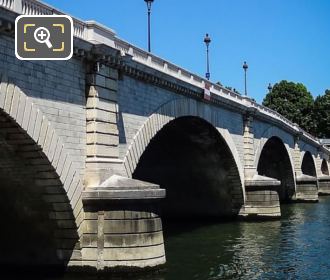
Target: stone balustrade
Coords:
[(95, 32)]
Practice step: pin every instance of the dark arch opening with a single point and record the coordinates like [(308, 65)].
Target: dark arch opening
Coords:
[(324, 167), (189, 158), (34, 207), (308, 166), (275, 163)]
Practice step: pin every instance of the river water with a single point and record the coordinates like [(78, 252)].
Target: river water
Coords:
[(295, 247)]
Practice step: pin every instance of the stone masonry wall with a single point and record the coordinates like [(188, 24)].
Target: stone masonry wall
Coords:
[(58, 88), (138, 100)]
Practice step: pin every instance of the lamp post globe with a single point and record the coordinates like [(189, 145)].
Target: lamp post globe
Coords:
[(149, 2), (269, 87)]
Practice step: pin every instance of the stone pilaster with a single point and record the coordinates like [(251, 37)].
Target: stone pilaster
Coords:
[(102, 130), (249, 168), (297, 156), (261, 193)]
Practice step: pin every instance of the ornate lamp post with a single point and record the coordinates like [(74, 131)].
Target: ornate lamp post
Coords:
[(207, 41), (149, 2), (270, 87), (245, 67)]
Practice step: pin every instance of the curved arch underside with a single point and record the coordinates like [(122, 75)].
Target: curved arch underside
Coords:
[(324, 167), (38, 223), (274, 162), (307, 165), (189, 158)]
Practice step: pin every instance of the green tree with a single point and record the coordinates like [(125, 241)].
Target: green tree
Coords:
[(321, 115), (293, 101)]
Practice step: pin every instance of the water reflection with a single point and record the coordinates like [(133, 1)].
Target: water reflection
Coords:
[(295, 247)]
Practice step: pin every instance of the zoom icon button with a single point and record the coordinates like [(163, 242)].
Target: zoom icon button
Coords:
[(46, 37)]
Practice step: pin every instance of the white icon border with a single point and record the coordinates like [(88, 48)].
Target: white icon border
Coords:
[(47, 58)]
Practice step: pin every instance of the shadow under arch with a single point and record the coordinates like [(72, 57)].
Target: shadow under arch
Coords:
[(324, 167), (308, 164), (39, 230), (41, 188), (167, 112), (191, 160), (274, 162)]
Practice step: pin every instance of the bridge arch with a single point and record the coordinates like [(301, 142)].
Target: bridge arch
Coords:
[(39, 174), (186, 122), (308, 165), (324, 167), (274, 131), (274, 161)]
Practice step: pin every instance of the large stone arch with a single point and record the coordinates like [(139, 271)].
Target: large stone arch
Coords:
[(164, 114), (308, 164), (174, 110), (274, 162), (33, 141), (273, 132)]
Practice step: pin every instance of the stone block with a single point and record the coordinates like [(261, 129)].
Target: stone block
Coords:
[(109, 72), (102, 127), (105, 105), (91, 226), (101, 115), (95, 79), (135, 253), (133, 226), (111, 84), (102, 151), (104, 93), (133, 240), (103, 139)]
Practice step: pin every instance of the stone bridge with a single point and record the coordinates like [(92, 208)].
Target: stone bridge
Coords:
[(89, 146)]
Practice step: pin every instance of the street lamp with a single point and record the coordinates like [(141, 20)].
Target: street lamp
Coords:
[(149, 2), (207, 41), (270, 87), (245, 67)]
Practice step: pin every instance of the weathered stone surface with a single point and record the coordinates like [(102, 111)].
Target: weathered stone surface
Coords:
[(262, 200), (306, 189), (324, 185)]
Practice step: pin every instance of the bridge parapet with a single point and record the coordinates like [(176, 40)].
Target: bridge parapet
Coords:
[(96, 33)]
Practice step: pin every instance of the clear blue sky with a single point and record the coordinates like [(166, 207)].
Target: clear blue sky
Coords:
[(279, 39)]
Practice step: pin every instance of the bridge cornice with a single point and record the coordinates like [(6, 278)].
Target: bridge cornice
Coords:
[(98, 43)]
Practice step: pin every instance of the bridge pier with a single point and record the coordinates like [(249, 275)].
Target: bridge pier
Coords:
[(306, 189), (262, 199), (122, 226), (324, 185), (261, 192)]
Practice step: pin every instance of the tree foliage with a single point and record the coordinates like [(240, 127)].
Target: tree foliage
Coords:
[(321, 115), (293, 101)]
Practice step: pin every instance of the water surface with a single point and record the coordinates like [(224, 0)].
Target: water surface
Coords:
[(295, 247)]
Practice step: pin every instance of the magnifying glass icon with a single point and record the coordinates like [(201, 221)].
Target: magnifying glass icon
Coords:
[(41, 35)]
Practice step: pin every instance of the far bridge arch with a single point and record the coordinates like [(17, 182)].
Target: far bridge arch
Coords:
[(324, 167), (308, 166), (274, 161), (180, 148)]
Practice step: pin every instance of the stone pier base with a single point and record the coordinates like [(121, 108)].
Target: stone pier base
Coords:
[(262, 199), (306, 189), (123, 228), (324, 185)]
